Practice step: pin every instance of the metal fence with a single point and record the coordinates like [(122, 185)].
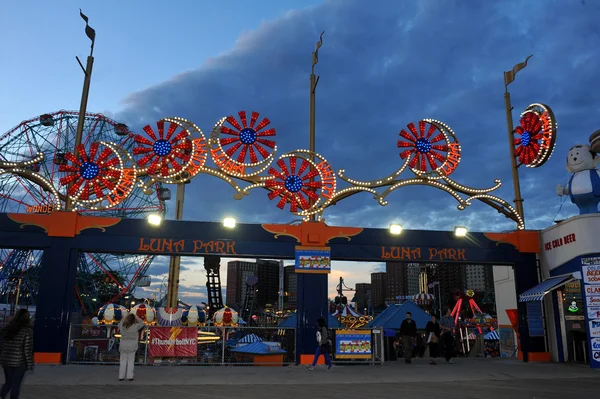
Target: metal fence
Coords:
[(239, 346), (266, 346)]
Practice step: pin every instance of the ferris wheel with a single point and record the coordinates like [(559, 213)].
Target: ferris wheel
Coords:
[(45, 143)]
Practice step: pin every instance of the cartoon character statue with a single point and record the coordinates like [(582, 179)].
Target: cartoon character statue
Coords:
[(584, 185)]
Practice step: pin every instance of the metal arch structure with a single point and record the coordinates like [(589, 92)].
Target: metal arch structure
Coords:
[(244, 155)]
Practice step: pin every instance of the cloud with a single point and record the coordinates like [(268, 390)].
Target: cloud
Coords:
[(382, 67)]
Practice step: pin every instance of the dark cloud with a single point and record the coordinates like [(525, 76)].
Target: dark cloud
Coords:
[(386, 65)]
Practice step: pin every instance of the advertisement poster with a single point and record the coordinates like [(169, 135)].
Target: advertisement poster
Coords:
[(590, 273), (313, 260), (595, 350), (594, 330), (353, 344), (173, 342), (508, 346)]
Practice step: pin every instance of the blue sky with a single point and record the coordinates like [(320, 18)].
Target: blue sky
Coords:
[(382, 66)]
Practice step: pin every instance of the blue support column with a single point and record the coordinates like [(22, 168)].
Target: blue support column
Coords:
[(312, 303), (559, 339), (53, 308), (526, 276)]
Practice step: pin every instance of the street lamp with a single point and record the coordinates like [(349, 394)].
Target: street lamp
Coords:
[(154, 219), (460, 231), (395, 229), (229, 223)]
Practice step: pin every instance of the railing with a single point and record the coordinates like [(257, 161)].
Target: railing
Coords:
[(238, 346), (266, 346)]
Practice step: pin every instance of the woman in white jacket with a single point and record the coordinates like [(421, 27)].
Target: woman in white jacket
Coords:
[(129, 328)]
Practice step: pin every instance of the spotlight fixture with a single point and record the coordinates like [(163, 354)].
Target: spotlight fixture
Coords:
[(154, 219), (229, 223), (460, 231), (395, 229)]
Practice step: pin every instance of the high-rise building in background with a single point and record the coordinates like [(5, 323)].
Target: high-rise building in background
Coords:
[(237, 273), (268, 283), (267, 287), (363, 295), (402, 280), (378, 289), (475, 277), (290, 281)]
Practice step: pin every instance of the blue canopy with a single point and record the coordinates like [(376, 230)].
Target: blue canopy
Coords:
[(290, 322), (259, 348), (538, 292), (392, 317)]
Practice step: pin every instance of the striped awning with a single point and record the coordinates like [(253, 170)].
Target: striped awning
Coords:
[(492, 336), (538, 292)]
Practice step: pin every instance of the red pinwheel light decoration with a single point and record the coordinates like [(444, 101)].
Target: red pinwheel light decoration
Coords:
[(164, 155), (247, 139), (427, 147), (535, 137), (527, 146), (292, 183), (93, 176)]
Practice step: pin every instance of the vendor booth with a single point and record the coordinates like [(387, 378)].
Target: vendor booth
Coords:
[(568, 299)]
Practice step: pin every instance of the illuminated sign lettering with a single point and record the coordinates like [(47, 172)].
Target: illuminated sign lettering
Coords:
[(161, 245), (39, 209), (123, 188), (408, 253), (198, 157), (453, 159), (328, 182), (226, 164)]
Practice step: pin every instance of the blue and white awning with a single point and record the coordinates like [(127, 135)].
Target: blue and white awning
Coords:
[(538, 292), (491, 336)]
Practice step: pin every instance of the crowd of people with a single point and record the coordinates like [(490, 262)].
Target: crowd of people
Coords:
[(439, 336)]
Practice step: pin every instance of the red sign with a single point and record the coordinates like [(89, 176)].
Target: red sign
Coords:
[(559, 242), (173, 342)]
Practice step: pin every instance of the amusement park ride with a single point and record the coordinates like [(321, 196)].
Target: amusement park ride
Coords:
[(51, 164)]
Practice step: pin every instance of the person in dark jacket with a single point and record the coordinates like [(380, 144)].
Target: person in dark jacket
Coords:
[(16, 352), (448, 327), (323, 346), (433, 338), (408, 332)]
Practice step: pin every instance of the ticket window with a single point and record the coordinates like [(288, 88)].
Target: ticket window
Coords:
[(574, 322)]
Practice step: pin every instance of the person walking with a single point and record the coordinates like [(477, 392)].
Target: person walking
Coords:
[(433, 338), (129, 328), (447, 326), (323, 346), (16, 352), (408, 332)]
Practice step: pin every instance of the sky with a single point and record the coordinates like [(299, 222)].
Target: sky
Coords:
[(381, 67)]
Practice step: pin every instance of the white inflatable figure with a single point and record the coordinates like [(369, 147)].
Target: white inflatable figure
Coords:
[(584, 185)]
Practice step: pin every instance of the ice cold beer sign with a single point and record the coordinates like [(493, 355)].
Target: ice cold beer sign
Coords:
[(591, 272)]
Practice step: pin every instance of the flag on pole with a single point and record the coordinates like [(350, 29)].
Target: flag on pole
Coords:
[(89, 31), (509, 76), (317, 47)]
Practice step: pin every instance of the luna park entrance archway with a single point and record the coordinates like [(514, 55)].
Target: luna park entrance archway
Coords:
[(63, 235)]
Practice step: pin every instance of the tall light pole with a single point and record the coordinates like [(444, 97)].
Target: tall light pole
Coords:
[(87, 71), (314, 80), (175, 261), (509, 77)]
